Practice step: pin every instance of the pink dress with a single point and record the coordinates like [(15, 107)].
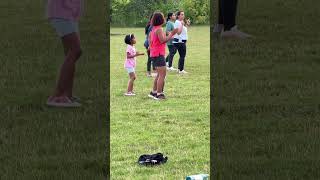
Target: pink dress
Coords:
[(130, 62), (156, 47)]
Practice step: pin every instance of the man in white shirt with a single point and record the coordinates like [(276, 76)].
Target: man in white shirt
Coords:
[(180, 40)]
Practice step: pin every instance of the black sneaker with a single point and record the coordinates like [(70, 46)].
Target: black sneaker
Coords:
[(159, 97), (152, 95)]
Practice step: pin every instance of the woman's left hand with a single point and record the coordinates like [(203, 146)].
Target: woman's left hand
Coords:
[(188, 22)]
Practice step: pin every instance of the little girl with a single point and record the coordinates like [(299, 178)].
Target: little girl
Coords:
[(130, 62)]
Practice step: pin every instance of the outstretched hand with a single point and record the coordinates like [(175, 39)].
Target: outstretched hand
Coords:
[(139, 54), (188, 22)]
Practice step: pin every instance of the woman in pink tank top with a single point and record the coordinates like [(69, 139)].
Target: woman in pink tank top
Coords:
[(157, 42)]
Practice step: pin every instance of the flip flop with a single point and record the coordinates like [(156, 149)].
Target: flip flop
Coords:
[(75, 98), (62, 102)]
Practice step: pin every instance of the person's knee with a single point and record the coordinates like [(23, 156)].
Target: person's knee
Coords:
[(162, 74), (78, 52)]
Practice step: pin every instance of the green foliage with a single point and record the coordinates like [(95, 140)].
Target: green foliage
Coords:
[(197, 10), (137, 12)]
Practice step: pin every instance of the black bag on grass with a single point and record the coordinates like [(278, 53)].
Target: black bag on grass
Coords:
[(153, 159)]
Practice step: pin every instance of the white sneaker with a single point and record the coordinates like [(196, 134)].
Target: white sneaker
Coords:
[(172, 69), (129, 94), (183, 72), (154, 74)]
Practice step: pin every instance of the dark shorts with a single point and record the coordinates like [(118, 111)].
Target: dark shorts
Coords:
[(159, 61)]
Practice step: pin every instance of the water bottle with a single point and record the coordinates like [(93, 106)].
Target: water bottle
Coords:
[(198, 177)]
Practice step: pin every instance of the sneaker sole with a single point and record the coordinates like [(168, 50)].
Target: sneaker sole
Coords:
[(158, 99), (150, 96), (129, 94)]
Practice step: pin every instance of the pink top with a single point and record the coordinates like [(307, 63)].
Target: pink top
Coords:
[(130, 62), (156, 47), (66, 9)]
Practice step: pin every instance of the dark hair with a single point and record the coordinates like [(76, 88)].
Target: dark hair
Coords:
[(169, 16), (157, 19), (150, 17), (128, 38), (179, 12)]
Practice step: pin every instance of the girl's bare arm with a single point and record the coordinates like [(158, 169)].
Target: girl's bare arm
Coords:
[(134, 55)]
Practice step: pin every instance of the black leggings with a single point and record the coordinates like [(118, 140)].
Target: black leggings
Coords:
[(149, 63), (172, 52), (227, 13), (182, 49)]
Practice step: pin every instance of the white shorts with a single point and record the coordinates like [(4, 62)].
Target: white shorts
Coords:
[(130, 70), (64, 26)]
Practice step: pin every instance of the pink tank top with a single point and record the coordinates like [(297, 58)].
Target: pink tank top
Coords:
[(66, 9), (156, 47)]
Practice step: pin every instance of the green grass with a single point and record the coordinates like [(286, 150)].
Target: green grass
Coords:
[(37, 142), (266, 94), (177, 126)]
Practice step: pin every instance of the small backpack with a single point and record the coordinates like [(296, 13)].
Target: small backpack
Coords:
[(153, 159), (146, 42)]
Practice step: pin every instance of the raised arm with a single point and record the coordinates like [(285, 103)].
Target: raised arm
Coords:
[(180, 27)]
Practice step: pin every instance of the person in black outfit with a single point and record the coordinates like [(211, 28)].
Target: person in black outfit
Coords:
[(148, 29), (180, 39), (226, 25)]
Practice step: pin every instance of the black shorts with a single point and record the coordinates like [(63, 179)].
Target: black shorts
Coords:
[(158, 61)]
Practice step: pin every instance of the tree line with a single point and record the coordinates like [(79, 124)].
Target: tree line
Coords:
[(137, 12)]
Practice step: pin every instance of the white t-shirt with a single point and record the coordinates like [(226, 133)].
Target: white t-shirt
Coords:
[(184, 32)]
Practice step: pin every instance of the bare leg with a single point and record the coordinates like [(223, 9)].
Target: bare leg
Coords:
[(132, 77), (155, 82), (161, 76), (71, 43)]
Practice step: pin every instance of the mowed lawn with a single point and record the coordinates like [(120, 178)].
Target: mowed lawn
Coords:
[(179, 126), (38, 142), (266, 101)]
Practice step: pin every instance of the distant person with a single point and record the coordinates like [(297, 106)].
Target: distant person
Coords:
[(172, 50), (64, 16), (180, 40), (148, 29), (157, 42), (130, 62), (226, 25)]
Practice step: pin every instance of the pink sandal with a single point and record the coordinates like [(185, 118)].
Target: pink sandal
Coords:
[(62, 101)]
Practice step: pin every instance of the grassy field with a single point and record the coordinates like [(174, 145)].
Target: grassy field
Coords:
[(266, 94), (37, 142), (177, 126)]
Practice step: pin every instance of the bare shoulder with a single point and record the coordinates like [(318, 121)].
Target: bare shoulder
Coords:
[(159, 30)]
